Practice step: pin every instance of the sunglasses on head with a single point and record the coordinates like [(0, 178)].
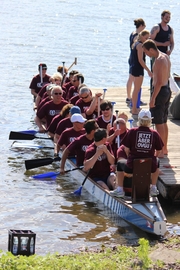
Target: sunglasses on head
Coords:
[(58, 93), (106, 109)]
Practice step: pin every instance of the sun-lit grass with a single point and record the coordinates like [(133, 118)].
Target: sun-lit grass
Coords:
[(119, 258)]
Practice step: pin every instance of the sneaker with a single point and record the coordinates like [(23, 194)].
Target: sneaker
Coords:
[(116, 193), (128, 100), (142, 103), (154, 192)]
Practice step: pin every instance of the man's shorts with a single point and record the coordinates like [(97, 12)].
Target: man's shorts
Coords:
[(122, 166), (160, 111)]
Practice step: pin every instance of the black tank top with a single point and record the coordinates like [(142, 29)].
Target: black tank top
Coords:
[(131, 39), (163, 36)]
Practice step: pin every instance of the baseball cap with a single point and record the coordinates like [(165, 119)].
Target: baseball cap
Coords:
[(44, 66), (75, 109), (77, 117), (144, 114)]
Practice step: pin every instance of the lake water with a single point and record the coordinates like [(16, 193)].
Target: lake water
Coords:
[(96, 32)]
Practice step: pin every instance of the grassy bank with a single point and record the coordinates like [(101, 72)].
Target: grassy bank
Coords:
[(119, 257)]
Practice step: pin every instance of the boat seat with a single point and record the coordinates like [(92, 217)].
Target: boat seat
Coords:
[(141, 179)]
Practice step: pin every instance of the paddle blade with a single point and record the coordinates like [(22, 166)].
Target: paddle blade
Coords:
[(31, 131), (32, 146), (46, 175), (78, 191), (35, 163), (20, 136)]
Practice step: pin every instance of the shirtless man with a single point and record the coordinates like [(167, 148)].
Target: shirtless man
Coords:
[(161, 93), (163, 34)]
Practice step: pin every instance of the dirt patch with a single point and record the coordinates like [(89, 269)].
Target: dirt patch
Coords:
[(167, 251)]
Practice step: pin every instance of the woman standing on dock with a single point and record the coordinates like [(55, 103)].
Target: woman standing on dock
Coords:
[(137, 67), (140, 25)]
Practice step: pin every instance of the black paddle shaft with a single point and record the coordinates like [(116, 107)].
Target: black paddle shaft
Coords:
[(35, 163), (24, 136)]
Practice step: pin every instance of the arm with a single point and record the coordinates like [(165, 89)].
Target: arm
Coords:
[(89, 163), (39, 124), (127, 150), (141, 61), (171, 42), (38, 99), (114, 135), (93, 105), (153, 34), (63, 159), (33, 92)]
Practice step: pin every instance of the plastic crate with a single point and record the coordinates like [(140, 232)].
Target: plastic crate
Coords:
[(21, 242)]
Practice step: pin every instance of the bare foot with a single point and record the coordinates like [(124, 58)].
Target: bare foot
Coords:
[(136, 111)]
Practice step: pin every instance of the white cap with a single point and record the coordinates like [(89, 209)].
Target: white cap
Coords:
[(144, 114), (76, 117)]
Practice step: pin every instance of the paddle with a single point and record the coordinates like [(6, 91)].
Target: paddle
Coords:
[(14, 135), (30, 131), (78, 191), (35, 163), (104, 93), (53, 174), (111, 122), (32, 146)]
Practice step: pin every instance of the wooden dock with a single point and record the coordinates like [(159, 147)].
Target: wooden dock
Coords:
[(169, 181)]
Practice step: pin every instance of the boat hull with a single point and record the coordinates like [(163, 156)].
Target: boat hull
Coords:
[(148, 216)]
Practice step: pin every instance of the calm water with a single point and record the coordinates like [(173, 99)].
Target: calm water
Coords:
[(96, 32)]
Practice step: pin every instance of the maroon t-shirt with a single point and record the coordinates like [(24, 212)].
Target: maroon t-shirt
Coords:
[(63, 125), (49, 110), (36, 82), (142, 142), (53, 125), (74, 99), (79, 146), (83, 105), (43, 101), (73, 91), (101, 168), (68, 136), (43, 90), (114, 143), (121, 152), (94, 115), (66, 88), (102, 123)]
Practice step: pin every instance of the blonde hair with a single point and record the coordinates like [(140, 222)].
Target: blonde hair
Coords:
[(141, 34), (57, 76), (123, 115), (144, 122)]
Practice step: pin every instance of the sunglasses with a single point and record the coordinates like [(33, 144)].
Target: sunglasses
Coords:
[(106, 109), (85, 97), (57, 93)]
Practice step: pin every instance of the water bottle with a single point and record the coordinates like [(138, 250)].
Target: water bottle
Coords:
[(32, 245), (15, 245), (24, 241)]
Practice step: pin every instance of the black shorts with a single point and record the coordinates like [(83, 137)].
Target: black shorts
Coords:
[(160, 111), (122, 166)]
